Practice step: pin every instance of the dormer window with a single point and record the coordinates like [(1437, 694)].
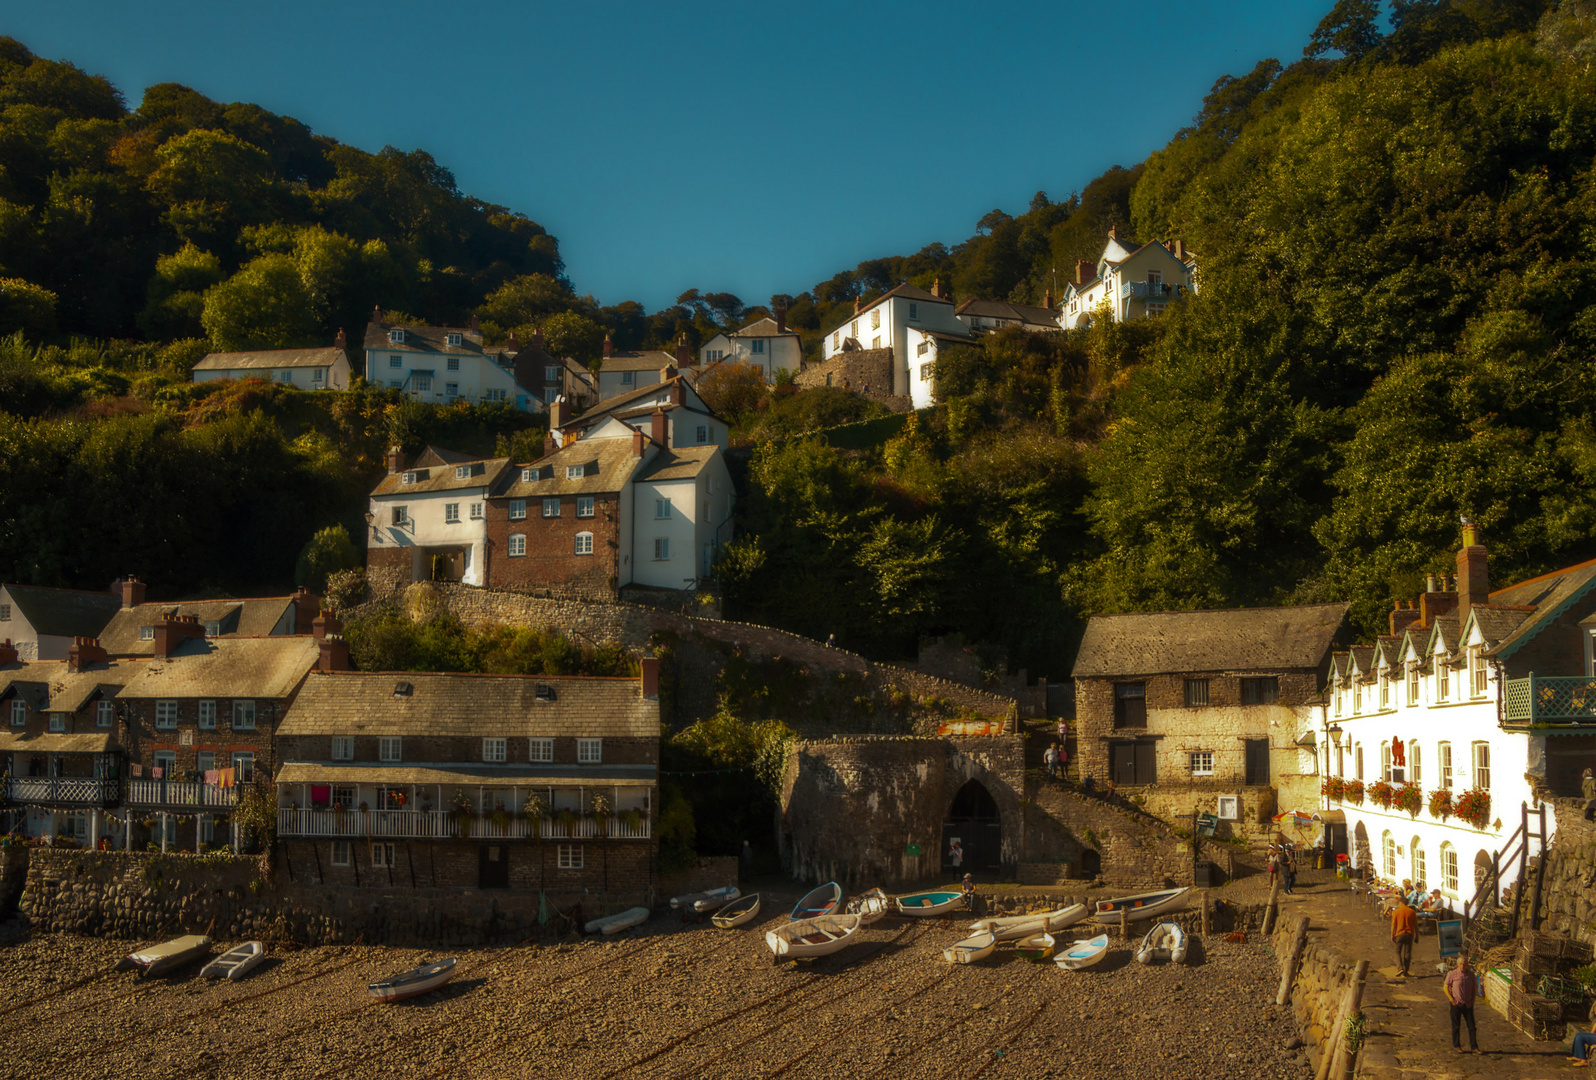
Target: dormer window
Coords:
[(545, 692), (407, 478), (453, 337), (396, 337), (462, 472)]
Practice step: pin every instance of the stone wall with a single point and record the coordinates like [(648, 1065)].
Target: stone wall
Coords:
[(1319, 987), (1107, 840), (1568, 901), (711, 872), (866, 372), (13, 876)]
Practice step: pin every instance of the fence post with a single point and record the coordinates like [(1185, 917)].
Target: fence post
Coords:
[(1540, 868), (1523, 858)]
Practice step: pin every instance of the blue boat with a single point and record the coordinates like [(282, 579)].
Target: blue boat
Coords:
[(822, 901)]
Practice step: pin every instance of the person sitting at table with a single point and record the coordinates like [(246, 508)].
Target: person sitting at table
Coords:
[(1579, 1053), (1433, 904)]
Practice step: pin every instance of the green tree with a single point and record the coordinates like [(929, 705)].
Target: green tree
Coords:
[(263, 306), (26, 307), (326, 553), (176, 294)]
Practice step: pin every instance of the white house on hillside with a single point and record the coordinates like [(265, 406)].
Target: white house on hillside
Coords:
[(688, 420), (1134, 281), (982, 315), (909, 321), (766, 343), (625, 370), (308, 369), (442, 364), (429, 520)]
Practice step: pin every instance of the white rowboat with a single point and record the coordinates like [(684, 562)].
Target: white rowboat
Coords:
[(166, 956), (1014, 927), (715, 899), (742, 910), (614, 924), (1165, 941), (236, 962), (1082, 954), (1038, 949), (1142, 905), (869, 906), (803, 939), (937, 902), (414, 982), (973, 948)]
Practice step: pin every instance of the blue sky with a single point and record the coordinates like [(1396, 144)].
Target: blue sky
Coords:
[(746, 148)]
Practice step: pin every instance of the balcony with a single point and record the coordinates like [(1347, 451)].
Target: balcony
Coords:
[(1557, 701), (437, 825), (80, 791), (176, 793), (1142, 290)]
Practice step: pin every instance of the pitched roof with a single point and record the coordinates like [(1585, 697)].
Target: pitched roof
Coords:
[(248, 618), (619, 404), (342, 703), (1241, 639), (442, 478), (45, 743), (1498, 621), (762, 327), (1363, 656), (313, 772), (63, 612), (1390, 649), (609, 465), (269, 358), (437, 455), (946, 335), (265, 667), (1549, 594), (998, 309), (47, 685), (904, 291), (1446, 628), (682, 463), (648, 360), (434, 339)]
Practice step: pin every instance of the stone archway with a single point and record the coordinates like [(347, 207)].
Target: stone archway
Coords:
[(1360, 847), (973, 819), (1482, 872)]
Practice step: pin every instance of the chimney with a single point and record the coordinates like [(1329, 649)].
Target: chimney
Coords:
[(1180, 249), (560, 414), (326, 623), (1402, 617), (396, 460), (1084, 272), (549, 445), (334, 653), (537, 338), (341, 342), (1113, 232), (173, 630), (668, 372), (84, 652), (858, 304), (609, 346), (639, 440), (307, 605), (780, 315), (8, 654), (1047, 299), (684, 353), (476, 327), (657, 426), (676, 392), (132, 592), (1436, 602), (650, 666), (376, 314), (512, 345)]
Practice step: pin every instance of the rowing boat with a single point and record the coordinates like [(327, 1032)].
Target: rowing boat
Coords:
[(1143, 905), (715, 899), (414, 982), (870, 906), (1165, 941), (1014, 927), (236, 962), (166, 956), (1082, 954), (975, 947), (936, 902), (1037, 949), (742, 910), (614, 924), (822, 901), (804, 939)]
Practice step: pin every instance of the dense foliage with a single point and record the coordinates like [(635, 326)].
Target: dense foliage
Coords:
[(389, 640)]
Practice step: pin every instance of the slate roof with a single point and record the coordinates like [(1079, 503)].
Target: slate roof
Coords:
[(1240, 639), (47, 685), (1447, 629), (1390, 648), (1549, 594), (682, 463), (613, 458), (433, 339), (904, 291), (58, 743), (621, 405), (469, 706), (763, 327), (312, 772), (946, 335), (998, 309), (1363, 656), (247, 618), (267, 667), (442, 478), (648, 360), (63, 612), (437, 455), (1498, 621), (270, 358)]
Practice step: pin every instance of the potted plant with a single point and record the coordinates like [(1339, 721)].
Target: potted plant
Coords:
[(600, 808), (461, 810), (533, 812), (566, 820), (1409, 797), (1333, 787), (500, 818), (1354, 792), (632, 819), (1381, 793), (1474, 807), (1441, 804)]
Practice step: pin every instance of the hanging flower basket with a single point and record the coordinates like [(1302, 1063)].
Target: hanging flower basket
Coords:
[(1333, 787), (1474, 807), (1409, 797), (1354, 792), (1381, 794), (1441, 804), (500, 817)]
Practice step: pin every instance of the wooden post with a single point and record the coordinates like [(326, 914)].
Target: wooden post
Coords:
[(1540, 870), (1333, 1044), (1205, 914), (1523, 861), (1355, 1001), (1274, 905), (1288, 972), (1124, 924)]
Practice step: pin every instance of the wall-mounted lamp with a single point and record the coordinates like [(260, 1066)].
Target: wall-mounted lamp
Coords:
[(1334, 732)]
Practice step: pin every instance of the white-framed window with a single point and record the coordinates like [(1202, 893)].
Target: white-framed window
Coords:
[(517, 545), (575, 472), (1357, 695), (540, 751), (476, 511), (551, 506), (875, 319), (551, 372), (166, 761), (207, 716), (453, 361), (702, 434), (493, 749), (1229, 807), (346, 796), (836, 340), (1413, 684), (662, 509), (243, 716), (286, 375), (662, 549), (340, 852), (1155, 277), (529, 475), (1415, 774), (1416, 859), (584, 544), (1388, 854), (853, 331), (920, 350), (1482, 766), (204, 762), (584, 506), (383, 855), (875, 342), (570, 856), (589, 751), (451, 513), (493, 395), (5, 612), (58, 721), (1477, 671), (19, 713), (146, 633), (396, 337), (452, 338), (1444, 758), (1443, 679), (343, 748), (462, 472), (318, 375), (1202, 763), (451, 389), (1385, 690), (213, 628), (517, 509), (1357, 761), (104, 714), (401, 516), (1449, 869), (396, 383), (166, 715), (244, 766), (1385, 762), (390, 748), (420, 382)]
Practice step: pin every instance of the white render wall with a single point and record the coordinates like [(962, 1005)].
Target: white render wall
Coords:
[(428, 528), (680, 571), (476, 376), (781, 353), (894, 332)]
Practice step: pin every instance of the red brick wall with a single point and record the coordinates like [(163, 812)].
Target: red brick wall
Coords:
[(551, 558)]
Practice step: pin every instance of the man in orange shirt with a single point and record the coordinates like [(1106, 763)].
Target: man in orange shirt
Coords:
[(1404, 929)]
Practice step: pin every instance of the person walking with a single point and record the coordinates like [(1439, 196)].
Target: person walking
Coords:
[(1288, 871), (1459, 988), (1404, 930), (1063, 732), (1050, 759)]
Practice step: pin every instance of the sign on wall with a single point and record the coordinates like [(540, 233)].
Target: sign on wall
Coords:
[(912, 850), (1207, 824)]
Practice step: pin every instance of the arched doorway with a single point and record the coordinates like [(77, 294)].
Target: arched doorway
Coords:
[(1091, 863), (1482, 873), (1360, 846), (974, 821)]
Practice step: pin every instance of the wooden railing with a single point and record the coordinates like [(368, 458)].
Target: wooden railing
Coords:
[(179, 793), (438, 825), (61, 789), (1550, 700)]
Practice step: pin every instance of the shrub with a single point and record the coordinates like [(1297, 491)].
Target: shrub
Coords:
[(1409, 797), (1333, 787)]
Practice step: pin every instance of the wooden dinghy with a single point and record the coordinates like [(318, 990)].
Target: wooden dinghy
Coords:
[(236, 962), (1038, 949), (166, 956), (1015, 927), (870, 906), (414, 982), (977, 946), (1143, 905), (936, 902), (614, 924), (822, 901), (1165, 941), (744, 909), (715, 899), (1082, 954), (805, 939)]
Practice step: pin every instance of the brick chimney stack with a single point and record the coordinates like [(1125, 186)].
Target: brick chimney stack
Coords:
[(1403, 616), (684, 353), (476, 327), (85, 651), (1179, 248), (560, 415), (512, 345), (537, 338), (609, 346), (1473, 573), (780, 315), (1435, 601), (1047, 299), (657, 426), (173, 630), (8, 654), (1084, 272), (325, 623), (639, 442), (650, 675), (132, 592), (858, 304), (376, 314), (334, 653), (307, 605), (396, 460), (1113, 232), (341, 342)]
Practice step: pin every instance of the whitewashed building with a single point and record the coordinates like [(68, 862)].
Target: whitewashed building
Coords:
[(982, 316), (307, 369), (429, 522), (1128, 281), (765, 343), (441, 365), (1486, 697), (912, 323)]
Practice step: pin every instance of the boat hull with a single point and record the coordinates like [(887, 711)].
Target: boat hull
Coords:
[(870, 906), (1038, 949), (1082, 954), (1015, 927), (715, 899), (236, 962), (1165, 941), (413, 983), (614, 924), (940, 902), (1143, 905), (804, 939), (973, 948), (817, 902), (168, 955), (738, 913)]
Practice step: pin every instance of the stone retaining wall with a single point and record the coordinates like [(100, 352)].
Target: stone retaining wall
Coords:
[(13, 876), (1320, 984)]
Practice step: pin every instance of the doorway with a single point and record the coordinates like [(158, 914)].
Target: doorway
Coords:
[(974, 822), (1257, 761), (493, 866), (1131, 764)]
